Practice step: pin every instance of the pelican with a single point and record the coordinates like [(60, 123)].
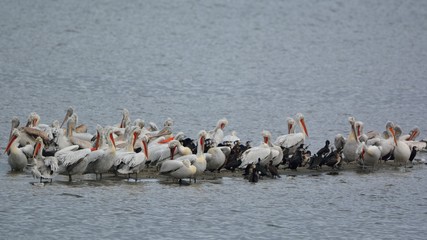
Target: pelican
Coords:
[(43, 167), (18, 156), (178, 169), (165, 151), (385, 143), (369, 155), (261, 152), (134, 163), (276, 151), (413, 134), (352, 143), (215, 158), (102, 160), (217, 134), (70, 113), (292, 141), (401, 152), (198, 159), (75, 140)]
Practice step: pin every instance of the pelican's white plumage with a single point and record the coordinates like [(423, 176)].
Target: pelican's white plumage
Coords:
[(290, 142)]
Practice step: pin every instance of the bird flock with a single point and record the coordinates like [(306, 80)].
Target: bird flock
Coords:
[(128, 148)]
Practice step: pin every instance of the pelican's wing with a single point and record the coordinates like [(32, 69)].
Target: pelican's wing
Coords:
[(192, 158), (170, 166), (66, 150), (28, 150), (72, 157), (253, 154), (291, 140)]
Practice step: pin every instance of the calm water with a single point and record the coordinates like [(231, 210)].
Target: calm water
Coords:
[(253, 62)]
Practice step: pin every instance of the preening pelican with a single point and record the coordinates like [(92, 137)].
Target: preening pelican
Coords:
[(369, 155)]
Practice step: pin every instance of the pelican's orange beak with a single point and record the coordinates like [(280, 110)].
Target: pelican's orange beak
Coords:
[(144, 143), (166, 140), (112, 139), (289, 127), (304, 127), (10, 143), (394, 135), (37, 149), (265, 140)]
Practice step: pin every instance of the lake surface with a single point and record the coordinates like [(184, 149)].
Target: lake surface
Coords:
[(253, 62)]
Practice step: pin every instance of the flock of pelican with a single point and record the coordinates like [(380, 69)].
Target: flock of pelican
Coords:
[(47, 150)]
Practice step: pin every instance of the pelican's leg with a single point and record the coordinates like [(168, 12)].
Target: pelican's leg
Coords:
[(69, 177), (100, 176), (136, 177)]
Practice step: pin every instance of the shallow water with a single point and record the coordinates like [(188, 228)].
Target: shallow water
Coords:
[(253, 62)]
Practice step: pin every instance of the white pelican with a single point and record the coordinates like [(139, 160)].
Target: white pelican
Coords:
[(134, 163), (401, 152), (276, 151), (352, 143), (75, 140), (101, 161), (292, 141), (215, 158), (178, 169), (43, 167), (413, 134), (386, 142), (18, 156), (70, 113), (217, 134), (261, 152), (369, 155), (198, 160), (165, 151)]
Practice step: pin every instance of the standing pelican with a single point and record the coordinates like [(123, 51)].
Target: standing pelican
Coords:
[(134, 163), (401, 152), (290, 142), (70, 113), (103, 159), (18, 156), (352, 143)]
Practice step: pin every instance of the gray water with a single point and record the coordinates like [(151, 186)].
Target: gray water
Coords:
[(253, 62)]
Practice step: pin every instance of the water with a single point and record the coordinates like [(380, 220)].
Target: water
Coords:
[(253, 62)]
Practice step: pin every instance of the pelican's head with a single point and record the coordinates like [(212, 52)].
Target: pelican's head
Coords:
[(222, 123), (266, 136)]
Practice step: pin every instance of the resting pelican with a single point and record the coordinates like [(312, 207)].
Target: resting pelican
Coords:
[(261, 152), (103, 159), (164, 152), (369, 155), (134, 163), (217, 134), (385, 142), (292, 141), (352, 143), (401, 152), (70, 113), (178, 169), (18, 156), (215, 158), (198, 160), (75, 140), (43, 167)]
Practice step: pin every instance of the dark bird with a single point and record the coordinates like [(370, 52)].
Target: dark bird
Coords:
[(413, 153), (262, 170), (273, 170), (296, 159), (324, 150), (253, 174)]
